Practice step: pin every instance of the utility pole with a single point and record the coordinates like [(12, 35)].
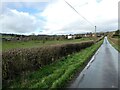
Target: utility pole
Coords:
[(82, 17), (95, 30), (95, 34)]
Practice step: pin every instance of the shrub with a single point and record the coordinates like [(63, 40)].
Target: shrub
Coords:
[(19, 61)]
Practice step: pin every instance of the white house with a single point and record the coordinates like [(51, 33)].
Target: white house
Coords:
[(71, 36)]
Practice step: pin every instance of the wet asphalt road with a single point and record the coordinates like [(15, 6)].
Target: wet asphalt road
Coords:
[(101, 71)]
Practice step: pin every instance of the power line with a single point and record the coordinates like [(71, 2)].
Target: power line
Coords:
[(79, 13), (81, 4)]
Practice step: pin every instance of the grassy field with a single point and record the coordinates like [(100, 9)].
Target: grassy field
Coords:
[(7, 45), (57, 74), (7, 36)]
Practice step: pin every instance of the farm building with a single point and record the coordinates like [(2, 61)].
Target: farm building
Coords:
[(71, 37)]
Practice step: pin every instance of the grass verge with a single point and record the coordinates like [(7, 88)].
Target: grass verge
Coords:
[(115, 43), (57, 74)]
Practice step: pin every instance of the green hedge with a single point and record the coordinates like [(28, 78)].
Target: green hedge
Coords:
[(18, 61)]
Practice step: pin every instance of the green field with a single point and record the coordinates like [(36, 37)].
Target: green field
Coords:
[(58, 73), (7, 45), (7, 36)]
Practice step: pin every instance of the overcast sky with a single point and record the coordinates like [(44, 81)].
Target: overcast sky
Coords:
[(57, 17)]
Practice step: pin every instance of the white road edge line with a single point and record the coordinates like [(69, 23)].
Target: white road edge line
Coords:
[(82, 74), (92, 59)]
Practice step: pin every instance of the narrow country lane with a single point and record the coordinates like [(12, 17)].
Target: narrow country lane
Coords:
[(101, 71)]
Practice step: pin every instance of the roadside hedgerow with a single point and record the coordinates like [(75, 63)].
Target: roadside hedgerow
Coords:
[(18, 61)]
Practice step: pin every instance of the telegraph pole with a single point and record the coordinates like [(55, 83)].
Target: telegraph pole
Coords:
[(82, 17), (95, 30), (95, 34)]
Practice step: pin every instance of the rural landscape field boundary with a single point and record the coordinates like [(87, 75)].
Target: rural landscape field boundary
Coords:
[(114, 39), (115, 45), (60, 76)]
